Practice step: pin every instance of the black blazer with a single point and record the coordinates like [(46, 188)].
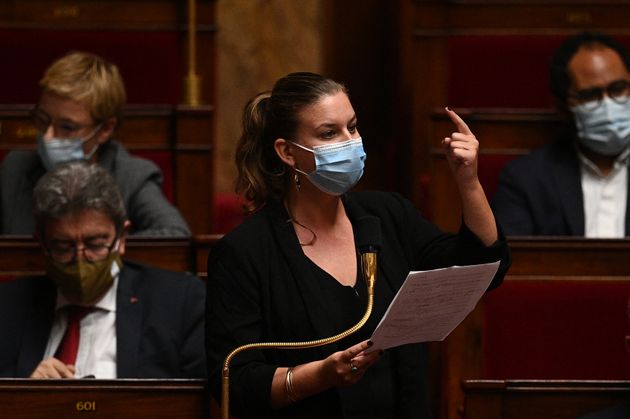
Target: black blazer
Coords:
[(541, 194), (159, 324), (261, 288)]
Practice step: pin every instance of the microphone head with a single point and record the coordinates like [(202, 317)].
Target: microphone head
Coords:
[(368, 234)]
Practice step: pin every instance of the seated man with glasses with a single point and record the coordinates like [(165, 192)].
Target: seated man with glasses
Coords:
[(93, 315), (577, 186), (79, 108)]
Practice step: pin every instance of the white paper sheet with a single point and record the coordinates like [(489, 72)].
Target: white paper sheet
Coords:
[(430, 304)]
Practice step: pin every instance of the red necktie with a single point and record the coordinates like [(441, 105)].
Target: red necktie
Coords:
[(69, 346)]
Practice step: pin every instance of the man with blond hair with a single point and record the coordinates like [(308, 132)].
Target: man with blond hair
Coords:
[(81, 104)]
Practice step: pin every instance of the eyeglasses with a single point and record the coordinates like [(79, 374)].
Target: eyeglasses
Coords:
[(92, 252), (619, 91), (63, 128)]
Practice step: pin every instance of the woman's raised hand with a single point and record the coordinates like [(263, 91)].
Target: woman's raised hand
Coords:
[(462, 151)]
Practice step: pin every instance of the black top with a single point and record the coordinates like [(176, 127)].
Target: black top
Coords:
[(262, 288), (347, 305)]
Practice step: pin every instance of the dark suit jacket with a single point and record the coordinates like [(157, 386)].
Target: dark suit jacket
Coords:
[(541, 194), (159, 324), (139, 181), (261, 287), (620, 411)]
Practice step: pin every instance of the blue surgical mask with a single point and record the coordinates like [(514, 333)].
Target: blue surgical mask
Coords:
[(604, 130), (56, 151), (338, 166)]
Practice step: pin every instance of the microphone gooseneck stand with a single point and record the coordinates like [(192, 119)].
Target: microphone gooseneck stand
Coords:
[(368, 239)]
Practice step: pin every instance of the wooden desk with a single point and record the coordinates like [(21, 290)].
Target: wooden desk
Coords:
[(540, 399), (123, 398), (22, 255)]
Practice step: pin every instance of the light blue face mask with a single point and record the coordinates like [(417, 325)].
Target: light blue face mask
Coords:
[(56, 151), (604, 130), (338, 166)]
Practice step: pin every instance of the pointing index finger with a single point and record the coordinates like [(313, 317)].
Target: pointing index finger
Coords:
[(459, 122)]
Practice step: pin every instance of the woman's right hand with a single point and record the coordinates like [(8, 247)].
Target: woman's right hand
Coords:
[(345, 368), (340, 369)]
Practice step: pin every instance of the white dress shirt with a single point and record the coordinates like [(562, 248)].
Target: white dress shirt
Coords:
[(97, 346), (605, 197)]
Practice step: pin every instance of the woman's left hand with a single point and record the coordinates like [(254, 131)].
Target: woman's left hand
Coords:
[(462, 150)]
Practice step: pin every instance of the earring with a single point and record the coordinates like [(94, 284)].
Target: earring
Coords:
[(296, 178)]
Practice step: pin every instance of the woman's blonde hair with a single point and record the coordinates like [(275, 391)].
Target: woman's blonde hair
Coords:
[(268, 116), (88, 79)]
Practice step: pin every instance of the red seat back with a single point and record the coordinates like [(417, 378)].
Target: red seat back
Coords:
[(489, 169), (502, 71), (164, 160), (557, 329), (148, 61), (228, 212)]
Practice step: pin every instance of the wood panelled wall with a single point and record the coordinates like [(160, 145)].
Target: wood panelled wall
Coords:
[(148, 40), (258, 42)]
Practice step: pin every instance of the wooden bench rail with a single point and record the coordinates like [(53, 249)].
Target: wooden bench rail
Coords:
[(121, 398), (545, 258), (536, 399), (22, 255)]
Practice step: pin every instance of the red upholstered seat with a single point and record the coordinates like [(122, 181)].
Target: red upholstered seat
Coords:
[(148, 61), (228, 212), (164, 160), (489, 169), (557, 330), (502, 71)]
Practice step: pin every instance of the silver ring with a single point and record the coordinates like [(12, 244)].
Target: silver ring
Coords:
[(353, 368)]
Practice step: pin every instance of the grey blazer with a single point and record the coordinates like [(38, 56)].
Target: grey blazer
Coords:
[(139, 180)]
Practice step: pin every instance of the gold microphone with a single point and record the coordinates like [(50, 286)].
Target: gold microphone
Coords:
[(368, 234)]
